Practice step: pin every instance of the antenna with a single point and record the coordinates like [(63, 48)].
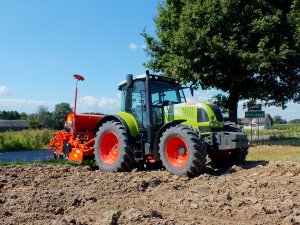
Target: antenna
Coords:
[(78, 78)]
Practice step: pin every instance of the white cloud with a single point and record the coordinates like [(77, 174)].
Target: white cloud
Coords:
[(24, 105), (103, 104), (134, 46), (4, 91)]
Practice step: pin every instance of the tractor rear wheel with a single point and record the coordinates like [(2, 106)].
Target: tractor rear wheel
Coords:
[(182, 151), (112, 149)]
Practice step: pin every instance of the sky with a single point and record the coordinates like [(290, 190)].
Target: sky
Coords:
[(44, 43)]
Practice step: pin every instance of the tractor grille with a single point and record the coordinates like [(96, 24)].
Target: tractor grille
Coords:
[(188, 111)]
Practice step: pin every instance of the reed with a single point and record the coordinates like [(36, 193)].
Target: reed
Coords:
[(25, 140)]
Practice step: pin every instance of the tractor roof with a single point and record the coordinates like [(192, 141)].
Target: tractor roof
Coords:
[(154, 77)]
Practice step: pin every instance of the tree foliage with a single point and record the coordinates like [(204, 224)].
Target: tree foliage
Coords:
[(43, 118), (221, 101), (294, 121), (9, 115), (60, 113), (248, 49), (279, 120)]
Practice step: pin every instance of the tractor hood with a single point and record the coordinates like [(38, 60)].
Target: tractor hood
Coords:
[(204, 117)]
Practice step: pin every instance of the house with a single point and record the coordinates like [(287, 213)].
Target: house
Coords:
[(13, 125), (264, 123)]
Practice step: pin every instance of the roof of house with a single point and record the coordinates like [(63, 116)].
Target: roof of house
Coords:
[(263, 121), (245, 121), (14, 123)]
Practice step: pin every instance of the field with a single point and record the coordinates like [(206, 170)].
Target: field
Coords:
[(265, 190), (273, 153)]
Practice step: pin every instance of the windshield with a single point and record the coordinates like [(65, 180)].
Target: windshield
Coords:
[(166, 92)]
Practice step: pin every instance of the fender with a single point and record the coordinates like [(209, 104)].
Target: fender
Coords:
[(112, 118), (159, 133)]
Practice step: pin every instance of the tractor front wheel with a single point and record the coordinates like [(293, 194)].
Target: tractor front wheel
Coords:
[(182, 151), (112, 149), (228, 158)]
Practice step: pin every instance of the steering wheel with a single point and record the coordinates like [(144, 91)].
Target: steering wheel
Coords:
[(156, 102), (164, 103)]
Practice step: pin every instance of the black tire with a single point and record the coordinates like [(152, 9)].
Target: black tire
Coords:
[(112, 149), (231, 127), (228, 158), (240, 156), (182, 151)]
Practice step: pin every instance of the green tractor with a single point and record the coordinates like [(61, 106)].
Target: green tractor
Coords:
[(157, 125)]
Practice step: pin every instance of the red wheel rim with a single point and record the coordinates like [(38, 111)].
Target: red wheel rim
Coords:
[(109, 148), (177, 152)]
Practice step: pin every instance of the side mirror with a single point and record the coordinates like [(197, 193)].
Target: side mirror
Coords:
[(129, 80), (192, 90)]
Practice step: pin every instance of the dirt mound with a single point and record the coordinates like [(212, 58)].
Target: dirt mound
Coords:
[(255, 194)]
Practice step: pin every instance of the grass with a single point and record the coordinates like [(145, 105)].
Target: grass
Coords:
[(45, 162), (279, 131), (25, 139), (283, 144), (291, 127), (281, 141), (274, 153), (90, 163), (280, 134)]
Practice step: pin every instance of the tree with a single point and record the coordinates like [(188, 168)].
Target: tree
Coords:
[(294, 121), (248, 49), (33, 123), (41, 119), (23, 116), (9, 115), (221, 101), (45, 118), (60, 114), (278, 120)]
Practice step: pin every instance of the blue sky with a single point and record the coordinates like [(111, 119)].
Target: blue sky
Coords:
[(43, 43)]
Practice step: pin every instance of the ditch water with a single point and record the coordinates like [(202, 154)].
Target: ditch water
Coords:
[(25, 156)]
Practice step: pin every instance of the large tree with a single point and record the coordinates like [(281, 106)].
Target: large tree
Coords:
[(60, 113), (248, 49)]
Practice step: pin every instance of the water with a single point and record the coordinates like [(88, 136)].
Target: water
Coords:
[(25, 156)]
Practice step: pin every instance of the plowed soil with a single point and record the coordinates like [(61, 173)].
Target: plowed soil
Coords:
[(256, 193)]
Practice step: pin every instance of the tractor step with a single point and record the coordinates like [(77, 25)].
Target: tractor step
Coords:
[(138, 155), (139, 148)]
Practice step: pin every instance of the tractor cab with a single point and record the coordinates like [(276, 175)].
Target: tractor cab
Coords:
[(150, 92)]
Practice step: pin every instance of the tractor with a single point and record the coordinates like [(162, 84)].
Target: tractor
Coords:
[(156, 125)]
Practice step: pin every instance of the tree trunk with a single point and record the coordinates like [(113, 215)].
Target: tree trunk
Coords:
[(233, 101)]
